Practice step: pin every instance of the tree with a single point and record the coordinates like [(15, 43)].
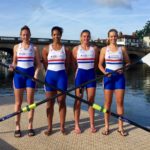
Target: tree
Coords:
[(139, 34), (120, 34), (145, 31)]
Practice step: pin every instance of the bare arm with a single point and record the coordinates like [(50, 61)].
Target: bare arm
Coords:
[(101, 60), (68, 59), (14, 63), (96, 58), (38, 63), (74, 58), (44, 57), (126, 56)]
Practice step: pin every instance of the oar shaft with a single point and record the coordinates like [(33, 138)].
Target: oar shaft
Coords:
[(10, 115), (129, 121)]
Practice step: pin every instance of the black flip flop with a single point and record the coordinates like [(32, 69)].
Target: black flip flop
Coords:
[(31, 132), (17, 133)]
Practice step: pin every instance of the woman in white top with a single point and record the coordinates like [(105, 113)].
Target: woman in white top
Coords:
[(24, 57), (86, 57), (114, 58), (55, 60)]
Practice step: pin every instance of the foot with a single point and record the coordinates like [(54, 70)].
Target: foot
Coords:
[(77, 130), (93, 130), (63, 131), (105, 132), (31, 132), (122, 132), (17, 133), (48, 132)]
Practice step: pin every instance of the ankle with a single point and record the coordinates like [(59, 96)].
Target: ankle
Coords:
[(77, 126), (30, 126), (92, 126), (106, 128), (17, 127)]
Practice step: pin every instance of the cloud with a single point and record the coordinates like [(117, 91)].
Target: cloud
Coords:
[(127, 4), (37, 12), (46, 14)]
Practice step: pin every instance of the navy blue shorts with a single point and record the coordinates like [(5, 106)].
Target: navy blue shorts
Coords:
[(83, 76), (20, 81), (115, 81), (57, 79)]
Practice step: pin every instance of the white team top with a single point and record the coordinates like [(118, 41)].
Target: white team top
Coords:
[(56, 59), (25, 57), (113, 60), (85, 58)]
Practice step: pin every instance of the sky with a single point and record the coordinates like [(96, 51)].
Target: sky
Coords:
[(73, 16)]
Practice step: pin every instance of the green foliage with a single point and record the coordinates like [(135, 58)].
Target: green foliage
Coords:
[(145, 31)]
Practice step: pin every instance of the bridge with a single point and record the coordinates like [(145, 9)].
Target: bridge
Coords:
[(136, 52), (7, 43)]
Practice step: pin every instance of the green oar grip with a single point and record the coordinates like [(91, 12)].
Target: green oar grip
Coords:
[(29, 107), (99, 108)]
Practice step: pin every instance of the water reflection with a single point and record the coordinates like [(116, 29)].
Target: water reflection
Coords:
[(138, 80), (5, 78)]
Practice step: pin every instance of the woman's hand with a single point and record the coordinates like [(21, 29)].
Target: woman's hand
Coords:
[(11, 68), (120, 71), (107, 74)]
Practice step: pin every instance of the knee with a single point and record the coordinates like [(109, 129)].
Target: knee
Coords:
[(77, 104), (107, 105), (62, 104), (18, 105), (120, 111), (30, 101), (91, 98), (120, 103), (50, 105)]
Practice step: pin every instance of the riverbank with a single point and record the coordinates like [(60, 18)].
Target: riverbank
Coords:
[(137, 138)]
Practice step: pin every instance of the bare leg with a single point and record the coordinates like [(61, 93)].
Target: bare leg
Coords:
[(90, 97), (18, 102), (50, 110), (30, 100), (108, 100), (120, 105), (77, 106), (62, 110)]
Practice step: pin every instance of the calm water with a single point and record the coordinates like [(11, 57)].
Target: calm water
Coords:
[(137, 97)]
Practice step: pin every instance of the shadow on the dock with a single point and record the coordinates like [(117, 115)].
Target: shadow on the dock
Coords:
[(85, 125), (5, 146)]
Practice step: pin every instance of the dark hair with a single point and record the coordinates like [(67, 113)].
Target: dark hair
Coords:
[(85, 31), (112, 30), (25, 27), (59, 29)]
